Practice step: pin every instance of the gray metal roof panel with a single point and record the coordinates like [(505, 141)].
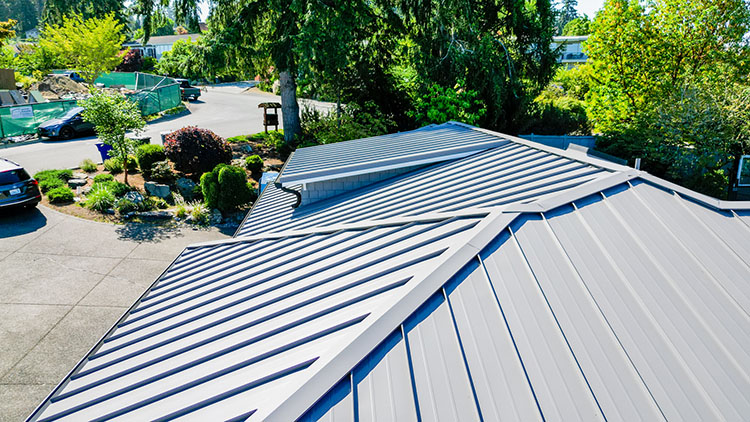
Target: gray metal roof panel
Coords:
[(502, 175), (426, 145), (220, 328)]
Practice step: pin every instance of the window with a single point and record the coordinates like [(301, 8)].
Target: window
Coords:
[(13, 176), (744, 173)]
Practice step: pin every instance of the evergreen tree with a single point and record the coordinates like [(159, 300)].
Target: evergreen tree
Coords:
[(566, 12), (54, 10)]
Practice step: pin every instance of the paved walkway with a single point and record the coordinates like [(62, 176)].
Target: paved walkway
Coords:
[(64, 282)]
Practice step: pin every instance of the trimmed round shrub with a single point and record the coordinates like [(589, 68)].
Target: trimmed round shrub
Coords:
[(113, 165), (147, 155), (132, 164), (48, 184), (195, 151), (60, 195), (226, 188), (162, 172), (88, 166), (103, 177), (100, 198), (255, 165)]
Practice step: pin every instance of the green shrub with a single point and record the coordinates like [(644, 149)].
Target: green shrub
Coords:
[(181, 211), (354, 123), (226, 188), (103, 177), (132, 164), (255, 165), (238, 139), (117, 189), (195, 151), (48, 184), (113, 165), (124, 206), (147, 155), (200, 213), (159, 203), (60, 195), (88, 166), (63, 175), (162, 172), (100, 197)]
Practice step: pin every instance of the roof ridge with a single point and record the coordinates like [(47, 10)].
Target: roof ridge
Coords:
[(571, 154)]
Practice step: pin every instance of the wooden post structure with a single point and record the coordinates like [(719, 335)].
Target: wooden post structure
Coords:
[(270, 119)]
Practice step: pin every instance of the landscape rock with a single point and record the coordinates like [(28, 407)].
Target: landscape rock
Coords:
[(110, 211), (185, 186), (247, 149), (156, 215), (134, 197), (215, 217), (80, 175), (156, 189), (74, 183)]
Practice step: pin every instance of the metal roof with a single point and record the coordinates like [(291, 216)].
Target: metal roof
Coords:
[(621, 296), (427, 145), (510, 173)]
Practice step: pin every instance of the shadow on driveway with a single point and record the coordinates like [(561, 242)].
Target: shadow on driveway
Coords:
[(15, 222), (148, 233)]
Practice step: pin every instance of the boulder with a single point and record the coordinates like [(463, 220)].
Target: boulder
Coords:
[(247, 149), (215, 217), (156, 215), (185, 186), (80, 175), (74, 183), (157, 189), (134, 197)]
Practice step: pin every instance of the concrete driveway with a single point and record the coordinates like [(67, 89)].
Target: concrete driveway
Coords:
[(228, 110), (64, 282)]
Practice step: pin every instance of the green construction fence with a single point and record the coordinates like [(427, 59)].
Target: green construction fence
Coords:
[(14, 120), (153, 94)]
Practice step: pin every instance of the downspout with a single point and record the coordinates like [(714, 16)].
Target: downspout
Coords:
[(292, 191)]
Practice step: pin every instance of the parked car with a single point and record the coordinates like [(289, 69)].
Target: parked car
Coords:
[(188, 91), (73, 75), (17, 188), (70, 125)]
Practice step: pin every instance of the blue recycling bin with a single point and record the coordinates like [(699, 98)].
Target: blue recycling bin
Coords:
[(104, 150)]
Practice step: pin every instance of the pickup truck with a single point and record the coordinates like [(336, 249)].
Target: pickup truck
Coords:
[(188, 91)]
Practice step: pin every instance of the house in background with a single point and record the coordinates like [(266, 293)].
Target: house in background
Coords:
[(156, 46), (448, 273), (571, 51)]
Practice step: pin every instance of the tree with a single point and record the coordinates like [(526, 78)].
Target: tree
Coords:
[(91, 46), (113, 116), (185, 11), (566, 13), (498, 49), (6, 30), (640, 56), (26, 12), (55, 11), (577, 27)]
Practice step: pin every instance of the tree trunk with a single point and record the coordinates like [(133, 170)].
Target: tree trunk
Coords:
[(289, 106)]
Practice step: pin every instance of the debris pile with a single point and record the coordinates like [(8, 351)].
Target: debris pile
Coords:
[(56, 87)]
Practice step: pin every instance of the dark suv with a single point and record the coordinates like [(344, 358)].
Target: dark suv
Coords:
[(17, 188)]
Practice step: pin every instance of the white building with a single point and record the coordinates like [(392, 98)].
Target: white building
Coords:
[(158, 45), (571, 51)]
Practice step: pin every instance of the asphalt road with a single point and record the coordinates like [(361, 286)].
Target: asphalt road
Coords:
[(228, 110)]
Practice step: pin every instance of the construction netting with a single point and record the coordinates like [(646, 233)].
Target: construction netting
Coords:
[(152, 93), (24, 119)]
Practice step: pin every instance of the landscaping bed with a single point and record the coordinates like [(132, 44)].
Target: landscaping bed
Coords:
[(218, 189)]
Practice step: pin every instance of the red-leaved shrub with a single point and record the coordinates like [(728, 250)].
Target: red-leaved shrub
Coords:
[(196, 151)]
